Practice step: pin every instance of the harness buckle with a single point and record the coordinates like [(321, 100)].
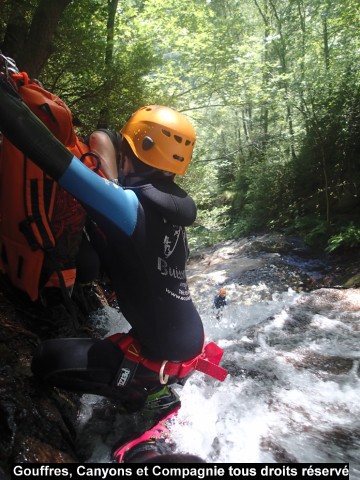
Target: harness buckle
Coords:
[(163, 378)]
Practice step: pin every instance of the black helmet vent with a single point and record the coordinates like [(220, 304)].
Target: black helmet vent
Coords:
[(147, 143)]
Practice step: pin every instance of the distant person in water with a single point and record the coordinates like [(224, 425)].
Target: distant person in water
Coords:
[(220, 302)]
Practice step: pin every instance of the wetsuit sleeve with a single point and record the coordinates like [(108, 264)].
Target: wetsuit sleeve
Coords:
[(102, 196)]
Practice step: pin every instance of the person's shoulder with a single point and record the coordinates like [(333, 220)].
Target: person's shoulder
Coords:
[(171, 200), (101, 133)]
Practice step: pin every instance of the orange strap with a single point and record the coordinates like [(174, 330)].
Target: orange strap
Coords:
[(21, 76)]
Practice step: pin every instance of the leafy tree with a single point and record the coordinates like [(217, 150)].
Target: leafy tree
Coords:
[(30, 30), (270, 85), (102, 80), (104, 84)]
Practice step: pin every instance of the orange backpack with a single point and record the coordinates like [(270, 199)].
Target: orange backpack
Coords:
[(40, 224)]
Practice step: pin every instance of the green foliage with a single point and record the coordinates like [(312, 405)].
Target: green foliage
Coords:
[(272, 88), (262, 198), (313, 229), (209, 228), (81, 76), (348, 238)]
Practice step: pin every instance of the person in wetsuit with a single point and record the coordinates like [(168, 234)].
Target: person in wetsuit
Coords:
[(220, 302), (144, 253)]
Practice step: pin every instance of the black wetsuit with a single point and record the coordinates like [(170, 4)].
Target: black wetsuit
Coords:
[(147, 271), (145, 258), (219, 301)]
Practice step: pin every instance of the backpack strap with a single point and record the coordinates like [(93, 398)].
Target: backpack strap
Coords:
[(36, 226), (39, 198)]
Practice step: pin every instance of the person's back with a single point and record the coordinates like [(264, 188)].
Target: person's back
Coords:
[(147, 269), (148, 273)]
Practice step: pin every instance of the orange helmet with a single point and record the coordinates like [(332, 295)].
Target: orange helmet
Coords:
[(222, 291), (161, 137)]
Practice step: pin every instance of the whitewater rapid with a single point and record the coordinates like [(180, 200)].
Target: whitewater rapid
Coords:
[(292, 393)]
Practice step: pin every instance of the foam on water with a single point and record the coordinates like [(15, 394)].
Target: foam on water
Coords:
[(293, 391)]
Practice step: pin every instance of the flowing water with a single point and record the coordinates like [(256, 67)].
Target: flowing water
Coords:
[(292, 393)]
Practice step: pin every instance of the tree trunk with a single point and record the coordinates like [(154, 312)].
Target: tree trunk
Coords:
[(37, 48), (30, 46), (112, 7), (264, 109), (103, 121), (326, 44), (282, 53), (16, 30)]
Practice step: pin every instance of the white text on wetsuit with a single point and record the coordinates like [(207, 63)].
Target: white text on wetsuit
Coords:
[(172, 272)]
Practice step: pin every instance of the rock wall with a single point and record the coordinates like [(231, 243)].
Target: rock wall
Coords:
[(36, 423)]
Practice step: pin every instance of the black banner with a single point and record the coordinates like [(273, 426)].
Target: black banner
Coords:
[(108, 471)]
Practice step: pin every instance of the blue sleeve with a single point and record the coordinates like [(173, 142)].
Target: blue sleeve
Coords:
[(119, 206)]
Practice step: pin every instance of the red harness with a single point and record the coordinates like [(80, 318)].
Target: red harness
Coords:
[(206, 362)]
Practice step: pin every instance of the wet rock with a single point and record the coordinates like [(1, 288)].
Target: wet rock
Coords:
[(331, 302), (323, 366), (36, 423), (275, 260), (280, 454)]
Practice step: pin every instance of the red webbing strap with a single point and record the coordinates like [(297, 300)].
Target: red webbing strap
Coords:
[(207, 362)]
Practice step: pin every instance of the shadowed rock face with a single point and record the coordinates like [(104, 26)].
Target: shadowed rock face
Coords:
[(37, 424)]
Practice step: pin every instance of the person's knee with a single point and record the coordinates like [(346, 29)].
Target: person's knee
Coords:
[(59, 355)]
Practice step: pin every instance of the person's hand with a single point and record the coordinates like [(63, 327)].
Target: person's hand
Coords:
[(7, 65)]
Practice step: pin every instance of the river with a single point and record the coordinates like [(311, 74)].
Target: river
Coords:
[(292, 393)]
